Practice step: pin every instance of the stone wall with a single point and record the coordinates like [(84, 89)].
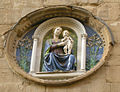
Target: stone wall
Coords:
[(106, 79)]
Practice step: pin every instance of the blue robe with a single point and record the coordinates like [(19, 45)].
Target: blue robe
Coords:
[(55, 61)]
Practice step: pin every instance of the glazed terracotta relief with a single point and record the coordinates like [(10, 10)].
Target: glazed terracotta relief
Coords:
[(58, 45)]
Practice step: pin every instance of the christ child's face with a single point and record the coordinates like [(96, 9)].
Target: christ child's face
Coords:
[(65, 33)]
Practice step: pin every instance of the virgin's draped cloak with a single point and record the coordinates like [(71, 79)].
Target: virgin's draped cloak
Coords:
[(55, 59)]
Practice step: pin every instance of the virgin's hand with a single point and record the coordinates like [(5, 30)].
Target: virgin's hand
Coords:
[(61, 44)]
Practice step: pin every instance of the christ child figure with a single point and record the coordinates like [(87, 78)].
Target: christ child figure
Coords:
[(68, 42)]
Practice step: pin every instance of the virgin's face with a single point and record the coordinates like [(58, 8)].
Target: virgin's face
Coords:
[(58, 31)]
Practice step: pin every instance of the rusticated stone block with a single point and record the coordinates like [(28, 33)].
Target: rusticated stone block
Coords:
[(113, 74), (108, 11)]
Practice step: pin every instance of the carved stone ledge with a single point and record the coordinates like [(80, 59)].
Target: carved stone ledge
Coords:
[(51, 76)]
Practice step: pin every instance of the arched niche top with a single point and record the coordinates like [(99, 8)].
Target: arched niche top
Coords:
[(46, 26), (60, 21)]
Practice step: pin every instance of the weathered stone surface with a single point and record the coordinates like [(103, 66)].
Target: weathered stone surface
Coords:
[(35, 88), (1, 46), (12, 16), (11, 87), (96, 86), (5, 28), (24, 7), (108, 11), (3, 64), (98, 81), (94, 1), (115, 87), (116, 35), (27, 4), (6, 76), (25, 11), (114, 26), (91, 9), (92, 84), (56, 89), (11, 10), (9, 16), (99, 86), (82, 1), (58, 2), (111, 1), (6, 4), (113, 74), (4, 16), (1, 53), (115, 51), (107, 87), (83, 87), (114, 60)]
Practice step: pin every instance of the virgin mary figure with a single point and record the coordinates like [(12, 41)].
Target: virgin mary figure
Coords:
[(54, 57)]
